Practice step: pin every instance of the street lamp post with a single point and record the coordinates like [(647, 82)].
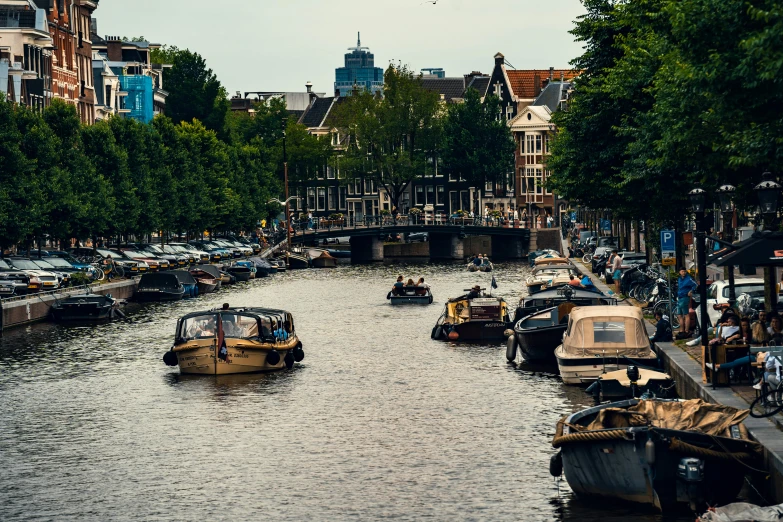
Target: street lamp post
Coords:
[(726, 197), (768, 192), (698, 197)]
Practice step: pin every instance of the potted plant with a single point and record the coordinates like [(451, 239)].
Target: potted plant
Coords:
[(414, 213), (335, 219)]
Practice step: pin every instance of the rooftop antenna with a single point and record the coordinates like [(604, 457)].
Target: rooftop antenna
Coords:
[(358, 44)]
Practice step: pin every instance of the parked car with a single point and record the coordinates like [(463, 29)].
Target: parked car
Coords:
[(215, 252), (174, 259), (718, 293), (16, 282), (200, 255), (69, 258), (48, 280), (65, 273), (131, 266), (154, 263), (630, 260), (417, 236)]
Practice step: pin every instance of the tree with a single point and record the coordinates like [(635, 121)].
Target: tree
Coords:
[(194, 91), (390, 138), (477, 146)]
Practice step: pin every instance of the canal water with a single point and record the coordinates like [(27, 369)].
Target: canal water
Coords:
[(378, 422)]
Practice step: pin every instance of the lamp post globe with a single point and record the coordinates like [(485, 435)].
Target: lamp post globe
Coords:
[(768, 192), (698, 197), (726, 196)]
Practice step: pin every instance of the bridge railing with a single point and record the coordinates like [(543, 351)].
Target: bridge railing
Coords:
[(351, 222)]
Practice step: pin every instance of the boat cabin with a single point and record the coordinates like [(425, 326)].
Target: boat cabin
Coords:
[(254, 324), (599, 330), (463, 309), (554, 296)]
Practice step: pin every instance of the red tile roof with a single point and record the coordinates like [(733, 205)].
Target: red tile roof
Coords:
[(524, 84)]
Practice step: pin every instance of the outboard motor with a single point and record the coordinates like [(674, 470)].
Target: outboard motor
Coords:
[(633, 375), (690, 476)]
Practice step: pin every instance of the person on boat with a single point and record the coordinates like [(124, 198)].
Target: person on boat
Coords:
[(477, 260), (398, 286), (422, 284), (663, 329), (573, 281), (485, 261), (410, 282), (475, 292), (586, 283)]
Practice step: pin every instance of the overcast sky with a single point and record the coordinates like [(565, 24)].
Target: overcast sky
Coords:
[(255, 45)]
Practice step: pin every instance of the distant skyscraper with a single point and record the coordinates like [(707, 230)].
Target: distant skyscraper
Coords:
[(359, 70)]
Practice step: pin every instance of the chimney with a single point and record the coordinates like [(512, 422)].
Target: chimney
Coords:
[(311, 95), (551, 73), (499, 59), (537, 84), (114, 48), (562, 76)]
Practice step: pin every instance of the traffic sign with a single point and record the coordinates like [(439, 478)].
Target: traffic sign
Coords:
[(668, 243), (669, 261), (606, 225)]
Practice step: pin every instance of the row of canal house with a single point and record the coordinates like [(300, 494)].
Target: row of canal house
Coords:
[(49, 49), (528, 100)]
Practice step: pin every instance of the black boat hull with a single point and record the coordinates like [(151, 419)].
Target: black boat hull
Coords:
[(155, 297), (83, 314), (206, 288), (539, 344), (479, 331), (242, 275)]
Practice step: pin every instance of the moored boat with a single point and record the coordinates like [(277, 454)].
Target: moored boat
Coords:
[(240, 272), (601, 338), (86, 308), (159, 287), (296, 260), (479, 319), (663, 453), (235, 340), (632, 383), (206, 282), (541, 320), (321, 258), (188, 282)]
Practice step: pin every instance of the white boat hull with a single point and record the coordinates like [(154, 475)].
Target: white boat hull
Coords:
[(585, 370)]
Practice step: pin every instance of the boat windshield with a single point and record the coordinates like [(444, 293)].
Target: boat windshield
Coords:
[(609, 332), (199, 327), (237, 326)]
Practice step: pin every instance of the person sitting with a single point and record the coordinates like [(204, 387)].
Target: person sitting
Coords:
[(398, 286), (775, 327), (478, 260), (475, 292), (663, 329), (728, 333), (586, 283), (423, 287), (573, 281), (485, 261), (740, 362), (410, 283)]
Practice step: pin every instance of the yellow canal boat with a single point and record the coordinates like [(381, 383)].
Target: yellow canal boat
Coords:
[(235, 340)]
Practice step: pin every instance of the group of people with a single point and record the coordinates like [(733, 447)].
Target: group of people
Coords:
[(585, 282), (400, 285), (480, 260)]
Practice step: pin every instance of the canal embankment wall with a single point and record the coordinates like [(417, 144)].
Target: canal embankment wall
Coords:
[(689, 383), (18, 312), (472, 246)]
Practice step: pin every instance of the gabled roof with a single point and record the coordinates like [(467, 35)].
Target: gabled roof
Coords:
[(525, 83), (532, 116), (450, 88), (316, 113), (552, 95), (480, 83)]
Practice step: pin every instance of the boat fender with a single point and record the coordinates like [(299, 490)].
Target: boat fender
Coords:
[(511, 348), (556, 464), (170, 358), (430, 299), (649, 452), (508, 332), (453, 335), (388, 296), (437, 331), (299, 353), (289, 359), (273, 357)]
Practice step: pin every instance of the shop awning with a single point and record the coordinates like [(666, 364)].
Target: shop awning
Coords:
[(761, 249)]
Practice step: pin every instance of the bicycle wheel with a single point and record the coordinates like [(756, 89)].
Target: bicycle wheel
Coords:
[(586, 258), (767, 404), (119, 272), (98, 275), (663, 307)]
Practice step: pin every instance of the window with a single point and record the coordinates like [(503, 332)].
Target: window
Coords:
[(430, 195), (358, 187), (454, 201), (609, 332), (509, 112), (510, 183), (547, 173), (321, 172), (329, 173), (539, 139), (498, 90), (438, 173), (742, 289), (529, 143), (342, 194), (440, 192), (321, 198), (488, 186), (311, 198), (419, 195), (546, 143), (452, 177), (350, 189), (332, 198), (464, 199), (539, 181)]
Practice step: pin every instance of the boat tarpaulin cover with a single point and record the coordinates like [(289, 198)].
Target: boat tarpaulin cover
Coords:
[(741, 512), (184, 277), (692, 415)]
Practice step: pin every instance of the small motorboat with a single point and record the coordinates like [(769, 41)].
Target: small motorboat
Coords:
[(668, 454), (339, 254), (261, 266), (159, 286), (223, 277), (481, 319), (278, 265), (410, 295), (250, 266), (546, 253), (541, 321), (188, 282), (321, 258), (550, 275), (86, 308), (296, 261), (205, 281), (601, 338), (235, 340), (480, 268), (240, 273), (632, 383)]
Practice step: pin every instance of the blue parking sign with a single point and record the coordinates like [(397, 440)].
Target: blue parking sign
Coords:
[(668, 242)]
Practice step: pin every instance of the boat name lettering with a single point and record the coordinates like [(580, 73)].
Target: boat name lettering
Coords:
[(484, 301), (493, 325)]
